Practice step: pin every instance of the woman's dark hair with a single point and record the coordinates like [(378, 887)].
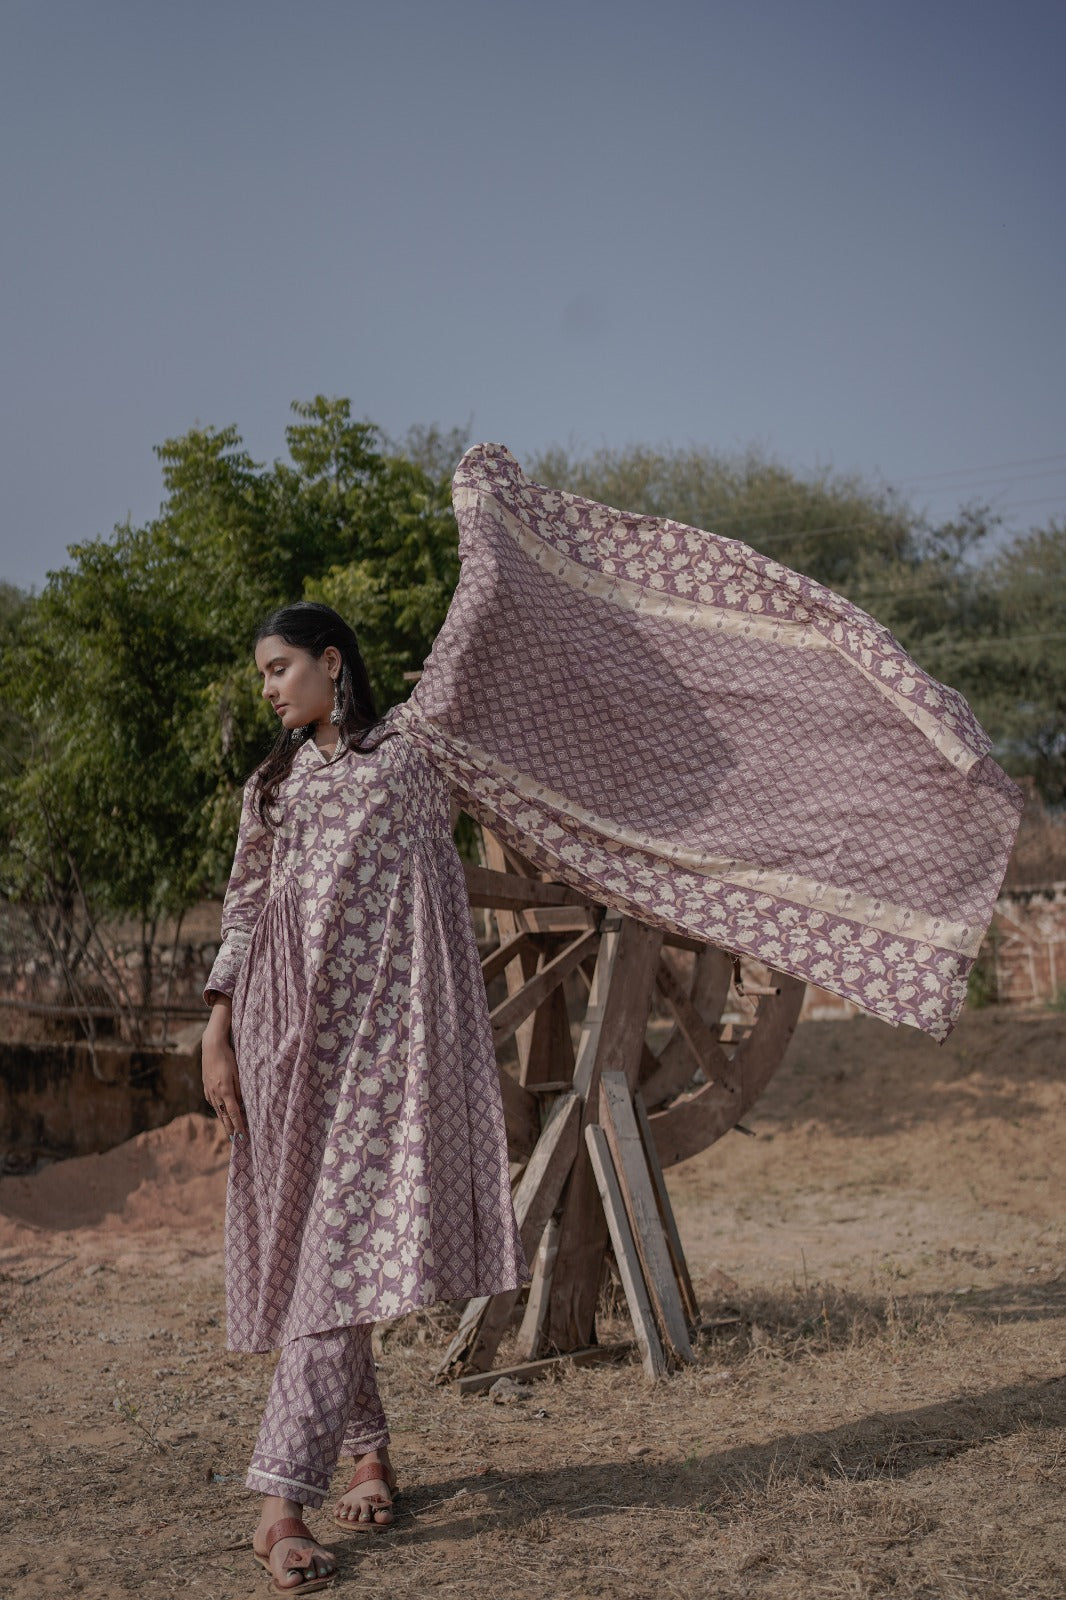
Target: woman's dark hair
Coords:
[(309, 625)]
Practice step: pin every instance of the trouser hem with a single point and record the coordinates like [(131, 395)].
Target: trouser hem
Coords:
[(286, 1488), (370, 1439)]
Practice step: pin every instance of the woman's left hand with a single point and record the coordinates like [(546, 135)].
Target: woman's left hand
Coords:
[(222, 1089)]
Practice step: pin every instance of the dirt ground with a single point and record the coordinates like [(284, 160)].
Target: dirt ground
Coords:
[(878, 1407)]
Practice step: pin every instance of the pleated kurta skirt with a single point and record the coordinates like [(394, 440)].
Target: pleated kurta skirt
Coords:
[(375, 1176)]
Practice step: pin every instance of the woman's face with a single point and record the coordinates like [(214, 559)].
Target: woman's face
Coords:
[(298, 685)]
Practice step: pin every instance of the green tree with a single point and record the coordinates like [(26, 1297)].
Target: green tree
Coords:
[(131, 698), (1008, 655)]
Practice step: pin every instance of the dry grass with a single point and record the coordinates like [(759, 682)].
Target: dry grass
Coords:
[(887, 1431)]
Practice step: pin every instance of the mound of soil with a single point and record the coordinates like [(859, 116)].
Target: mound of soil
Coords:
[(169, 1178)]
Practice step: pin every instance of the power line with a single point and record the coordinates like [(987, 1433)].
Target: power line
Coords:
[(979, 642), (857, 527), (799, 497), (1032, 581), (991, 466)]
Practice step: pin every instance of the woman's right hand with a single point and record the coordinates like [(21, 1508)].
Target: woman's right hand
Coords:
[(222, 1089)]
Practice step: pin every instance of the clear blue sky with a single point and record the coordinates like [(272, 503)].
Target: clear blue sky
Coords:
[(833, 228)]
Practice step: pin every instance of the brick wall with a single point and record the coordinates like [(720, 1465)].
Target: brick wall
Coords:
[(1028, 945)]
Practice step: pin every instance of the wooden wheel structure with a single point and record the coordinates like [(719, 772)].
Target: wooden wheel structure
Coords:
[(673, 1047)]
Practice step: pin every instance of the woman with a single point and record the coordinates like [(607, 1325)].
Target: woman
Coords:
[(350, 1060)]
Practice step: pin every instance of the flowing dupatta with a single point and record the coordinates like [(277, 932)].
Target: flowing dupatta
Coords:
[(698, 736)]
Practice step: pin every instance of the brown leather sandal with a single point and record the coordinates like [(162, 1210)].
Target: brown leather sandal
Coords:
[(369, 1472), (299, 1560)]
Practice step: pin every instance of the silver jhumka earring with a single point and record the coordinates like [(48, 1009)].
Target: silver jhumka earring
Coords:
[(297, 734), (335, 716)]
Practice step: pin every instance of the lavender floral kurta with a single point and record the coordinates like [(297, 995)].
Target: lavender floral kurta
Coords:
[(375, 1176)]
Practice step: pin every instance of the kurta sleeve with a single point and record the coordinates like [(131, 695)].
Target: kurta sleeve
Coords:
[(246, 893), (696, 735)]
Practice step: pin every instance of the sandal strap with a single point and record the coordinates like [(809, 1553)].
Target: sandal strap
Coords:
[(288, 1528), (373, 1472)]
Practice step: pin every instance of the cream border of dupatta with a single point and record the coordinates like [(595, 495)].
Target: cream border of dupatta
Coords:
[(883, 915)]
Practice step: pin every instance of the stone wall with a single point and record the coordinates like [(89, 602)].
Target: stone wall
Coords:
[(54, 1103)]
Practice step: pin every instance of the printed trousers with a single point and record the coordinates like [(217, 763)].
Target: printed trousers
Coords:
[(323, 1403)]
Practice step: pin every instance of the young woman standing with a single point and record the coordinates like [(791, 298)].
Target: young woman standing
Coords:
[(349, 1058)]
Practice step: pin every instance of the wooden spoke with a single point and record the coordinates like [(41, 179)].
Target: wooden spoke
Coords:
[(702, 1041), (533, 993)]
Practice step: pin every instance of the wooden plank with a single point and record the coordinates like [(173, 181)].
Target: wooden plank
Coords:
[(528, 1371), (551, 1046), (508, 923), (486, 1318), (499, 959), (549, 1166), (556, 919), (623, 1136), (513, 1011), (521, 1115), (612, 1038), (507, 891), (652, 1356), (531, 1332), (666, 1213)]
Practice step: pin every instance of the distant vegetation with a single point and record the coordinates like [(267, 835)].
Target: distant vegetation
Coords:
[(129, 711)]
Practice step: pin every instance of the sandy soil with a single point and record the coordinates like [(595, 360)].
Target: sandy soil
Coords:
[(878, 1408)]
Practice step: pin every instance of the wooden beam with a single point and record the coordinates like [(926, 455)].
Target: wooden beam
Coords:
[(513, 1011), (486, 1318), (612, 1037), (521, 1115), (507, 891), (499, 959), (680, 941), (556, 919), (529, 1371), (619, 1121), (626, 1254), (666, 1214), (508, 924), (531, 1332)]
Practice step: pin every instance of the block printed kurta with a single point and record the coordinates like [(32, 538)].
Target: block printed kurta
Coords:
[(375, 1176)]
